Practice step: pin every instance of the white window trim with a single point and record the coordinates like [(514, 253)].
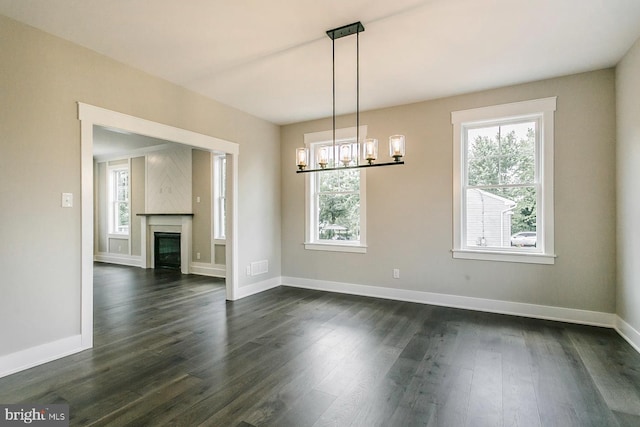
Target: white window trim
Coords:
[(217, 168), (543, 108), (110, 202), (310, 242)]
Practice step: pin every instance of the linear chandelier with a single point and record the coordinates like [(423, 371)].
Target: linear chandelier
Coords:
[(325, 159)]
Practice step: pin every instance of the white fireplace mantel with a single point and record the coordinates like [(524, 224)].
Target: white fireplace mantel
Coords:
[(166, 222)]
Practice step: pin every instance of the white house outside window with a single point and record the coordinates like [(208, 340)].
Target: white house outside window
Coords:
[(335, 200), (119, 216), (503, 182)]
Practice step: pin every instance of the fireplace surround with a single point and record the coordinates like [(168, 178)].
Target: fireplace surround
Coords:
[(178, 223)]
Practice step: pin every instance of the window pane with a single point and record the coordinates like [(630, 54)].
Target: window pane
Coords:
[(223, 177), (122, 185), (220, 184), (339, 217), (122, 217), (501, 155), (339, 181), (501, 217), (222, 222)]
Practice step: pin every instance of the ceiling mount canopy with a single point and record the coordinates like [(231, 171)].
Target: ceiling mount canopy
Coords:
[(345, 30), (348, 154)]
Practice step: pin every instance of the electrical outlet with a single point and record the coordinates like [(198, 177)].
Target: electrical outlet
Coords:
[(197, 255), (198, 199), (67, 200), (396, 273), (248, 270)]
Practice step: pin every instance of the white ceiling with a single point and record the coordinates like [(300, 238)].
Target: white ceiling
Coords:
[(273, 59), (114, 143)]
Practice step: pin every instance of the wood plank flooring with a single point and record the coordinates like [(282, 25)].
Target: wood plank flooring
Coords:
[(169, 350)]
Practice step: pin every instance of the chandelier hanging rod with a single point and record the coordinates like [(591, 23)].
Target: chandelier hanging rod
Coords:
[(370, 145), (336, 33)]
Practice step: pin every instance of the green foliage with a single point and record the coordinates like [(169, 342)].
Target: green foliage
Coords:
[(339, 205), (123, 215), (506, 158)]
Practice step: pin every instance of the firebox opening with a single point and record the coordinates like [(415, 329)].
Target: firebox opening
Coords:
[(167, 250)]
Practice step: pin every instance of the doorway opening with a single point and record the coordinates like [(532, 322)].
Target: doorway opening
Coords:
[(91, 116)]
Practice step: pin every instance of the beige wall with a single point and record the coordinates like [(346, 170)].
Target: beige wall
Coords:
[(628, 169), (219, 253), (118, 246), (409, 208), (202, 181), (42, 79)]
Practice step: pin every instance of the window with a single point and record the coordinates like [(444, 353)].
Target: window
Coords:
[(335, 200), (503, 182), (119, 199), (219, 197)]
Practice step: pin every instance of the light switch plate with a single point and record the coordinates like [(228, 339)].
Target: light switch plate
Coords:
[(67, 200)]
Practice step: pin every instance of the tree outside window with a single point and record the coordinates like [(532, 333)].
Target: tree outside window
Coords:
[(338, 204), (501, 163)]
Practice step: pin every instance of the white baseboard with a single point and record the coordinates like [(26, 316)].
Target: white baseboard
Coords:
[(570, 315), (627, 332), (130, 260), (34, 356), (204, 269), (255, 288)]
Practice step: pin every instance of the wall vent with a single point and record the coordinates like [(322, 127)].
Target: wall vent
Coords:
[(259, 267)]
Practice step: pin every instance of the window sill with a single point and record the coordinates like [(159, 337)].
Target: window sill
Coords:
[(523, 257), (219, 241), (332, 247)]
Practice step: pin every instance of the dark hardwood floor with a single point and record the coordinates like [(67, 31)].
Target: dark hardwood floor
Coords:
[(169, 350)]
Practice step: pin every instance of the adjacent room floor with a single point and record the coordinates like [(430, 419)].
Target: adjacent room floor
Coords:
[(169, 350)]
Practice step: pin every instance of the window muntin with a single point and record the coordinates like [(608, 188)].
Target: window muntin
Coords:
[(503, 169), (119, 216)]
